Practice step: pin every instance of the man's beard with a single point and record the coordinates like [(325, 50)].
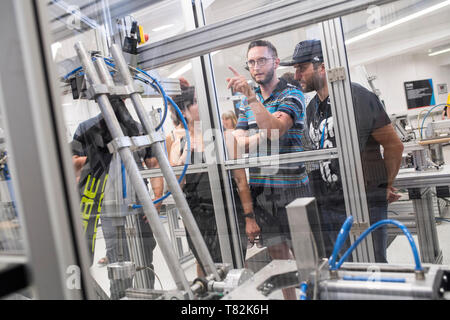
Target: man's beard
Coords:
[(267, 79), (314, 84)]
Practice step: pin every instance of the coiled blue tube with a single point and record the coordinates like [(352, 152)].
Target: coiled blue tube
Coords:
[(376, 226), (188, 155), (342, 237), (167, 99), (188, 139), (157, 86)]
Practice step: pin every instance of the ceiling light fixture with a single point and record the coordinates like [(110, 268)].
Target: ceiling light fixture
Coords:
[(180, 71), (164, 27), (398, 22), (186, 68), (439, 52)]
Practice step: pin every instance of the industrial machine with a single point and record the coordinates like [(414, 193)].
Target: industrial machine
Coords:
[(317, 276), (320, 278)]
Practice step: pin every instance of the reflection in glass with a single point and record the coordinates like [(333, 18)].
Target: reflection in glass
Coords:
[(219, 10), (396, 52), (11, 240), (118, 236)]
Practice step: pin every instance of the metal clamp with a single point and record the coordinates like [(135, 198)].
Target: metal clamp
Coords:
[(135, 143), (124, 91), (119, 143), (96, 90), (336, 74), (140, 142)]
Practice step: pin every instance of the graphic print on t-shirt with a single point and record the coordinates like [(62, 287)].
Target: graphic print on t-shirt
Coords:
[(321, 132)]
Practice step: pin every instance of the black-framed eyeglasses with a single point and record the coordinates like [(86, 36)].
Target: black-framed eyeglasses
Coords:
[(257, 240), (260, 62)]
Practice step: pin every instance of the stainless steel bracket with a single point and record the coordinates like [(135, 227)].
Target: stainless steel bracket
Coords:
[(337, 74)]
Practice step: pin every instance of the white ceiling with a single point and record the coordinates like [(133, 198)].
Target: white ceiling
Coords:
[(417, 36)]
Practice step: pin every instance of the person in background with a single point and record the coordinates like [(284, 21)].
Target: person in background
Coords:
[(197, 186), (92, 159), (176, 140), (229, 120), (290, 78), (374, 130), (273, 113)]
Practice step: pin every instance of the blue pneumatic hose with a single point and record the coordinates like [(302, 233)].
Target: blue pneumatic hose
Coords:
[(376, 226), (188, 139), (124, 181), (342, 237), (429, 111), (165, 97), (157, 86), (188, 155), (303, 289)]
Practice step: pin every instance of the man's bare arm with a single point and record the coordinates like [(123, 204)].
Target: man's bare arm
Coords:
[(393, 150)]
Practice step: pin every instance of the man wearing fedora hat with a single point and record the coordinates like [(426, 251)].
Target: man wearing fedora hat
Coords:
[(374, 130)]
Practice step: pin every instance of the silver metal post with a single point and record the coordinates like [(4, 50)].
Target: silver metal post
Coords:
[(169, 175), (135, 177)]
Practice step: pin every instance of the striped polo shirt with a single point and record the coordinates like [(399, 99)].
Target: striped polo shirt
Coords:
[(289, 99)]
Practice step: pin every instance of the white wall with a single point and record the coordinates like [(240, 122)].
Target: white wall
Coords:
[(394, 71)]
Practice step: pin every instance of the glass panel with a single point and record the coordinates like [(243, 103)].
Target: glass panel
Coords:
[(12, 241), (11, 236), (100, 23), (399, 52), (233, 105), (165, 19), (138, 243), (115, 227), (269, 231), (219, 10)]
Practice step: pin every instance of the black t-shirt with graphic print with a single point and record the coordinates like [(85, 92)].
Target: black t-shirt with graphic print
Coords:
[(326, 181)]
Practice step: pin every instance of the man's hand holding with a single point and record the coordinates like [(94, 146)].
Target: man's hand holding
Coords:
[(251, 228), (239, 84), (392, 195)]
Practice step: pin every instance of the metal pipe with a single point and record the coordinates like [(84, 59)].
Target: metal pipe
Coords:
[(169, 175), (133, 171)]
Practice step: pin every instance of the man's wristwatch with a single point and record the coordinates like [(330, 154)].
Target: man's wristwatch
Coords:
[(250, 215)]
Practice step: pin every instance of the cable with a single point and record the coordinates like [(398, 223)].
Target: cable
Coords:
[(418, 117), (161, 90), (153, 271), (188, 156), (429, 111), (124, 181), (365, 278), (72, 73), (155, 84), (177, 109), (376, 226), (342, 237), (303, 288)]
